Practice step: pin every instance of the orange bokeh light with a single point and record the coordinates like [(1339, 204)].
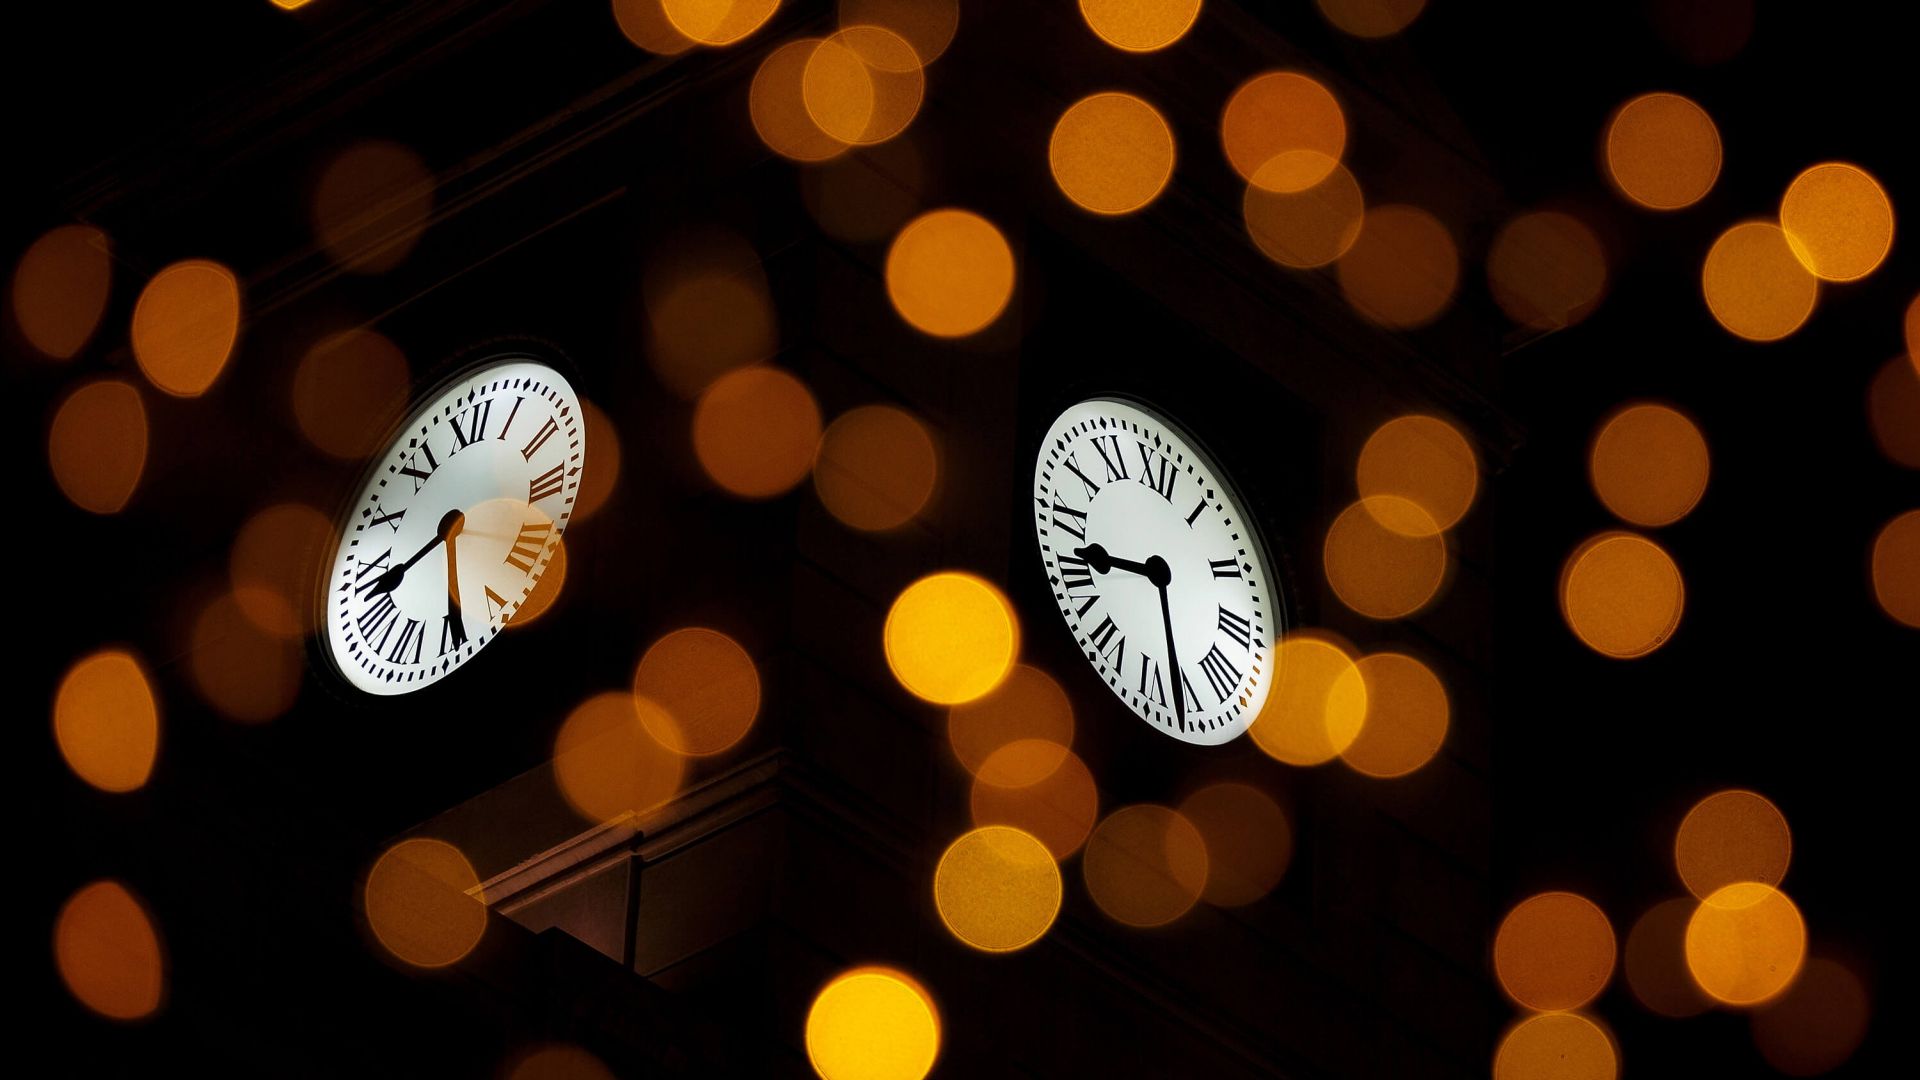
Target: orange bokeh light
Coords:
[(371, 206), (274, 565), (1248, 840), (244, 672), (1145, 865), (1893, 412), (108, 952), (602, 475), (1663, 151), (1554, 951), (1649, 464), (927, 25), (950, 273), (876, 468), (1406, 715), (1303, 227), (1817, 1024), (755, 431), (718, 22), (1281, 113), (706, 683), (997, 888), (1382, 572), (60, 289), (422, 900), (1745, 943), (873, 1023), (97, 445), (1314, 710), (1755, 285), (708, 312), (1547, 270), (1371, 18), (1111, 153), (546, 590), (606, 761), (1913, 333), (1896, 568), (185, 325), (863, 85), (1140, 25), (106, 720), (1838, 221), (348, 390), (1402, 270), (951, 637), (1730, 837), (779, 111), (1059, 809), (1622, 595), (1656, 961), (1559, 1045), (559, 1062), (1029, 704), (1421, 460), (645, 23)]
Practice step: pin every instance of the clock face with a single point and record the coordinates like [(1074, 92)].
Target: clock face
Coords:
[(1158, 570), (454, 525)]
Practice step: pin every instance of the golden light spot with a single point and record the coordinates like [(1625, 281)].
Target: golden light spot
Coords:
[(1663, 151), (1247, 838), (708, 313), (559, 1061), (108, 952), (106, 721), (863, 85), (1656, 961), (1729, 837), (718, 22), (645, 23), (1028, 705), (1278, 113), (274, 564), (778, 110), (1059, 808), (60, 289), (1913, 332), (1306, 228), (949, 273), (1421, 460), (97, 446), (1406, 715), (546, 590), (1145, 865), (1703, 32), (371, 206), (951, 637), (244, 672), (1139, 25), (1896, 568), (1745, 943), (1381, 572), (606, 761), (1893, 412), (706, 683), (1817, 1024), (1313, 711), (1622, 595), (876, 468), (997, 889), (1838, 221), (185, 325), (1560, 1046), (1111, 153), (867, 195), (927, 25), (348, 390), (423, 903), (755, 430), (1649, 465), (1402, 270), (290, 5), (602, 475), (1755, 285), (1371, 18), (1547, 270), (1554, 951), (873, 1023)]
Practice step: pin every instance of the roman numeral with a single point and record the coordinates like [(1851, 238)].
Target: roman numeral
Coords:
[(1237, 628), (1202, 505), (379, 619), (1225, 567), (1163, 481), (527, 545), (1085, 480), (410, 634), (547, 483), (392, 520), (476, 418), (511, 413), (496, 604), (1115, 462), (1186, 688), (1150, 684), (1109, 642), (1221, 675), (367, 574), (1075, 523), (540, 438), (453, 634), (420, 477)]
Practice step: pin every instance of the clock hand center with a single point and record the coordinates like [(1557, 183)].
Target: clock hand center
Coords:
[(1155, 569), (450, 525)]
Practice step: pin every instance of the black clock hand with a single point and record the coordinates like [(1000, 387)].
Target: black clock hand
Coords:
[(450, 525), (456, 622), (1154, 569), (1173, 659)]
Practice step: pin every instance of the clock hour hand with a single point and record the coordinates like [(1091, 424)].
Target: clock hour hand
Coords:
[(450, 525), (1154, 569)]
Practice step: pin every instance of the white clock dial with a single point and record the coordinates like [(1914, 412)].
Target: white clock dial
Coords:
[(1158, 570), (454, 525)]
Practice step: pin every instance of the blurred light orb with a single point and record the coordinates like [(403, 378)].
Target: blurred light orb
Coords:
[(607, 762), (1755, 285), (718, 22), (244, 672), (1385, 572), (1406, 715), (997, 889), (1421, 460), (778, 109), (1656, 961), (1663, 151), (862, 85), (371, 206), (645, 23), (106, 720), (348, 389), (1893, 412), (1028, 705), (1621, 595), (1280, 113), (927, 25), (1371, 18), (708, 313), (108, 952), (1745, 943), (60, 289), (423, 902), (274, 564), (951, 637), (1402, 270), (1817, 1024), (1306, 227), (1556, 1046), (1314, 710), (876, 468), (1145, 865), (1729, 837), (1913, 333), (1838, 221), (1547, 270), (185, 325), (706, 683), (1140, 25), (97, 445), (950, 273), (1554, 951), (1248, 840), (1649, 465), (873, 1023), (545, 591), (599, 481), (1058, 809), (755, 431), (867, 195), (1111, 153), (1896, 568), (559, 1061)]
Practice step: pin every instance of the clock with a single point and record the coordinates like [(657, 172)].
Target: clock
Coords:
[(1159, 571), (453, 526)]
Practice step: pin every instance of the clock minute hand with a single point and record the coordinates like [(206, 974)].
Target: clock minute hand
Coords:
[(455, 620), (450, 525)]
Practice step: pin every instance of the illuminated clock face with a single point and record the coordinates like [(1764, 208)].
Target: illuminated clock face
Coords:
[(454, 526), (1158, 570)]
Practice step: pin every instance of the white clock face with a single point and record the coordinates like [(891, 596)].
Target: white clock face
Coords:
[(454, 525), (1159, 572)]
